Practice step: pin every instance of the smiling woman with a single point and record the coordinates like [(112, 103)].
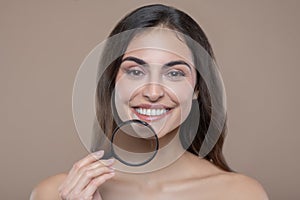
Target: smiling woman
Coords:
[(159, 76), (156, 84)]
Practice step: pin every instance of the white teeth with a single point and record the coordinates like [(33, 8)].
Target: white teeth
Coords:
[(148, 112), (151, 112)]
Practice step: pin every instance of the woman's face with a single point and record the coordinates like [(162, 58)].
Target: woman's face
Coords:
[(156, 79)]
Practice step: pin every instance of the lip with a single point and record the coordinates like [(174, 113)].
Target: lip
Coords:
[(147, 118), (152, 106)]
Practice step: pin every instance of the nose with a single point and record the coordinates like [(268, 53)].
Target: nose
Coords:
[(153, 92)]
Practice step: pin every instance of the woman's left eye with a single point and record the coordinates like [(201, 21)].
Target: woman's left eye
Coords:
[(175, 74)]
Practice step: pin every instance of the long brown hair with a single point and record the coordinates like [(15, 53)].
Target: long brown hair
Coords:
[(172, 18)]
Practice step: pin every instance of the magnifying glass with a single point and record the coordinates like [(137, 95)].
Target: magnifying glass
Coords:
[(134, 143)]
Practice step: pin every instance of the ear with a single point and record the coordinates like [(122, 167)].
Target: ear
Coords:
[(195, 95)]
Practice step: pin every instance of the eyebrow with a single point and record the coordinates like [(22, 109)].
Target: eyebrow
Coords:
[(169, 64)]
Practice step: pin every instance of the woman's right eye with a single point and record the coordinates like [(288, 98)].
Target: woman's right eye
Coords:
[(134, 72)]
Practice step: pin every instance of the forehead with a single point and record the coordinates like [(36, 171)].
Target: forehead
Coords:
[(159, 45)]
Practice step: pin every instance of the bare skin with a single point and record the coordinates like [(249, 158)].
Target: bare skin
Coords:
[(186, 177), (190, 177)]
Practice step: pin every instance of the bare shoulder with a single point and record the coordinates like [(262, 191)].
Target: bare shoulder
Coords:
[(226, 185), (231, 185), (48, 188), (244, 187)]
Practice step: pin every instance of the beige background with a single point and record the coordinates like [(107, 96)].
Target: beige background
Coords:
[(42, 44)]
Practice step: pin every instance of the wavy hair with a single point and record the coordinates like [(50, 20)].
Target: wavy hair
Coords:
[(172, 18)]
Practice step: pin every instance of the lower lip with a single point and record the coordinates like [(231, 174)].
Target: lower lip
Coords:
[(148, 118)]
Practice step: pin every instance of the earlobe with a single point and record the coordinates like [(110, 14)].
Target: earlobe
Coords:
[(195, 95)]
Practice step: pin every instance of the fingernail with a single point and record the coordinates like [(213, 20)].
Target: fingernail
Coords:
[(111, 169), (99, 153), (109, 161)]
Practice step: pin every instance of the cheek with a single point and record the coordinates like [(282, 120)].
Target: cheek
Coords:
[(125, 88), (184, 95), (183, 91), (185, 106), (122, 94)]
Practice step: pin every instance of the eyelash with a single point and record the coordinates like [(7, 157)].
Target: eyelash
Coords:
[(136, 73), (179, 72), (132, 71)]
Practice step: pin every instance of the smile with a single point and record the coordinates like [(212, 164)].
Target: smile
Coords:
[(148, 114), (151, 112)]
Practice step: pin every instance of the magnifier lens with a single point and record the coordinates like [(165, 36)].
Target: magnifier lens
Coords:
[(134, 143)]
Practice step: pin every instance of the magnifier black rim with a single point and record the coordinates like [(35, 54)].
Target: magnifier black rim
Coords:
[(128, 122)]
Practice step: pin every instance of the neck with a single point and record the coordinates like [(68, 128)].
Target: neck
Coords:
[(169, 152)]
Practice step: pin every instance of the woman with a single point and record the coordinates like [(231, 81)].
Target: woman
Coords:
[(163, 86)]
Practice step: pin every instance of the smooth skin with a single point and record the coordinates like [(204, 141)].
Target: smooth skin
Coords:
[(198, 179), (83, 179), (188, 177)]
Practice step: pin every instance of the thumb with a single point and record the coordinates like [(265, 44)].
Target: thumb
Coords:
[(97, 196)]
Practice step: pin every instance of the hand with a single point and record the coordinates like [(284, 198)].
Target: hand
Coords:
[(85, 177)]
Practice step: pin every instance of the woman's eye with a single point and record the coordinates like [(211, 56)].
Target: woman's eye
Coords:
[(175, 74), (134, 72)]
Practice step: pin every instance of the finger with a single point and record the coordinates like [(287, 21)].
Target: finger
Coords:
[(107, 163), (89, 176), (95, 156), (74, 175), (86, 173), (95, 183), (97, 195)]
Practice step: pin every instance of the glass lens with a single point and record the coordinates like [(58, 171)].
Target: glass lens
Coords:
[(134, 143)]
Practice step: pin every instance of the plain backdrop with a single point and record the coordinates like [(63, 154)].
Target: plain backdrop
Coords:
[(43, 43)]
